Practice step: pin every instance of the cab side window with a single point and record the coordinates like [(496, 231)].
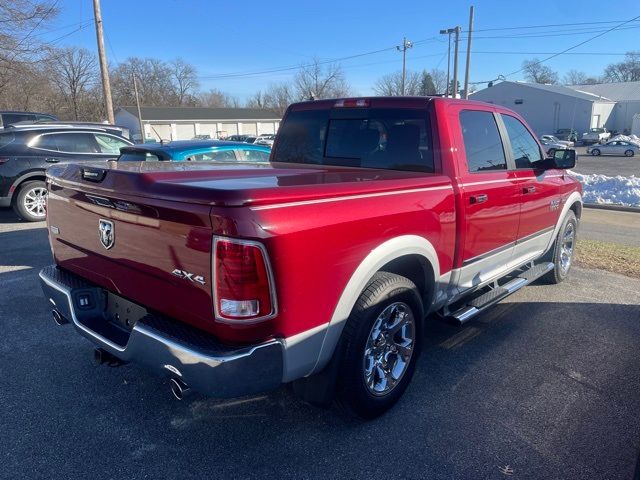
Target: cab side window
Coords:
[(482, 143), (109, 144), (524, 147)]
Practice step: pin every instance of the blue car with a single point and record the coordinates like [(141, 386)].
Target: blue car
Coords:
[(195, 151)]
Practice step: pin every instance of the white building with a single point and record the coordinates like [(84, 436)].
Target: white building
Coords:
[(627, 98), (184, 123), (546, 108)]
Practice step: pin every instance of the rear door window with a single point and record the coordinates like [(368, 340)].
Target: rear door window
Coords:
[(215, 155), (524, 147), (74, 142), (482, 143), (394, 139)]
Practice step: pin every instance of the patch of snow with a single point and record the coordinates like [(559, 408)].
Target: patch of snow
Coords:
[(616, 190)]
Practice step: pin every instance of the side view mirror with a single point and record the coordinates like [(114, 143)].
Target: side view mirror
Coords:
[(564, 159)]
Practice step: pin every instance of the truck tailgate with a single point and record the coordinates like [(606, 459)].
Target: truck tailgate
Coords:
[(151, 238)]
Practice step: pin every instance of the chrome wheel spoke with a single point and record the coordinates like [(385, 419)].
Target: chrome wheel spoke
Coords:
[(389, 348)]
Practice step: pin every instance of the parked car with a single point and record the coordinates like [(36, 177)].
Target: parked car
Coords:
[(250, 139), (551, 147), (595, 135), (615, 147), (107, 127), (319, 268), (27, 150), (265, 140), (568, 134), (202, 137), (554, 139), (197, 151), (236, 138), (9, 117)]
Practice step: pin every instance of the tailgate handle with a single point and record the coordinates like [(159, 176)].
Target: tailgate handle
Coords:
[(481, 198), (93, 174)]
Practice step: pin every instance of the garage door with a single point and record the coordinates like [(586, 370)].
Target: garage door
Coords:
[(229, 129), (160, 131), (185, 131), (208, 129), (249, 129), (266, 128)]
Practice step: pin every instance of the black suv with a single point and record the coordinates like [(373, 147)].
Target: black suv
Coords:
[(27, 150)]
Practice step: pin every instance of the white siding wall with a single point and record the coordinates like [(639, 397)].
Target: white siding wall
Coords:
[(185, 131), (208, 129), (229, 129), (249, 128), (160, 131), (604, 110), (623, 114), (544, 111)]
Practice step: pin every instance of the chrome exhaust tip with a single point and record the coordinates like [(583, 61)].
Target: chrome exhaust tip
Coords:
[(58, 318), (179, 388)]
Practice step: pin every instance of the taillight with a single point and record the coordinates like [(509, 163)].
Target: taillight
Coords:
[(4, 160), (243, 287)]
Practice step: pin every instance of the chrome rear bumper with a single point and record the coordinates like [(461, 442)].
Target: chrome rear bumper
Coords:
[(167, 347)]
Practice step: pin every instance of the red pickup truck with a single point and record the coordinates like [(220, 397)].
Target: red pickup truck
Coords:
[(319, 267)]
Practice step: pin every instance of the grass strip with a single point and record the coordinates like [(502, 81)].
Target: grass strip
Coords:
[(609, 256)]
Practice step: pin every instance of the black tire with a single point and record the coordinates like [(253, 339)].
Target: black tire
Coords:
[(24, 204), (629, 153), (384, 291), (551, 152), (595, 152), (558, 255)]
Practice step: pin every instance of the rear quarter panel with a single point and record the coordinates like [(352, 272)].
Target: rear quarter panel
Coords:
[(315, 247)]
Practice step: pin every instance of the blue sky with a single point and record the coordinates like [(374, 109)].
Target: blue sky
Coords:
[(221, 37)]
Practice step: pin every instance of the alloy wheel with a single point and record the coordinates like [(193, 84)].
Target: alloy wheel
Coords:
[(389, 348), (566, 247), (35, 201)]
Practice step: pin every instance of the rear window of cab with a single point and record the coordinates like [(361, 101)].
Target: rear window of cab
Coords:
[(393, 139)]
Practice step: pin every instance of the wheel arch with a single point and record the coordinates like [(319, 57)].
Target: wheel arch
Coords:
[(30, 176), (573, 203), (397, 255)]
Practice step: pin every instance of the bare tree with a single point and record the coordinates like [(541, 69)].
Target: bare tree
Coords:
[(155, 82), (536, 72), (391, 84), (19, 46), (216, 98), (625, 71), (185, 80), (574, 77), (439, 78), (319, 81), (75, 71)]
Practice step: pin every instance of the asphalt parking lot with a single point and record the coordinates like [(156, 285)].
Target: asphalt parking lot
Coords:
[(609, 165), (545, 385)]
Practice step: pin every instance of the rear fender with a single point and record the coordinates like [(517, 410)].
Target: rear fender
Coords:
[(310, 351)]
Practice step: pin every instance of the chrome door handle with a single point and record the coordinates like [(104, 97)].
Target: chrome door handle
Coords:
[(480, 198), (51, 160), (530, 189)]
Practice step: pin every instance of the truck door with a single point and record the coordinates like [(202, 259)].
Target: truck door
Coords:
[(540, 191), (490, 197)]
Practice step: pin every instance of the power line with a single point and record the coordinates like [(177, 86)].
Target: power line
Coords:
[(560, 33), (298, 66), (578, 44), (546, 26)]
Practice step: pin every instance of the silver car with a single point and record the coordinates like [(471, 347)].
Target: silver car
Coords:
[(615, 147)]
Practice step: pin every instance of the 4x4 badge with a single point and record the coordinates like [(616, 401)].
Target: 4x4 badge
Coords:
[(107, 233)]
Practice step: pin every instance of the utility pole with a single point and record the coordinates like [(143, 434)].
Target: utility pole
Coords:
[(448, 32), (135, 89), (468, 66), (455, 63), (405, 45), (104, 69)]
